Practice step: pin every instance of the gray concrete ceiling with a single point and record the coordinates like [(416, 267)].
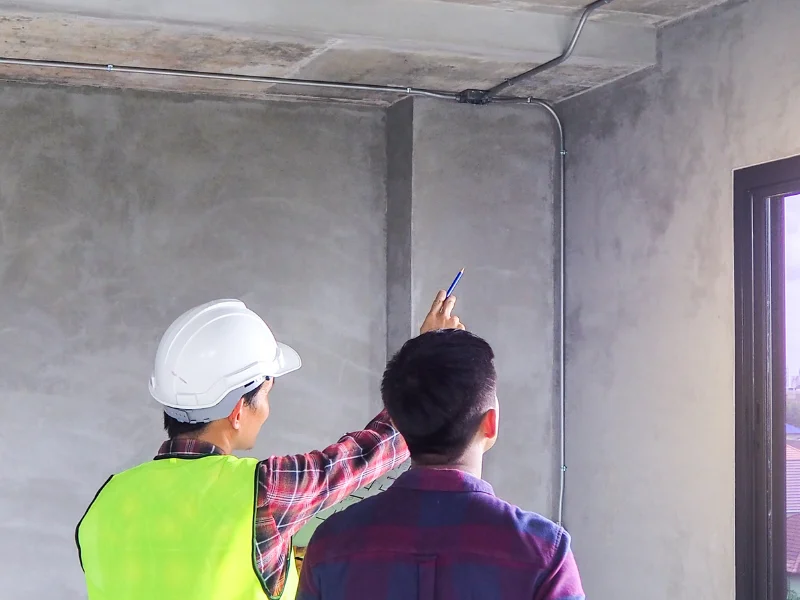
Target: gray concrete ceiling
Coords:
[(441, 44)]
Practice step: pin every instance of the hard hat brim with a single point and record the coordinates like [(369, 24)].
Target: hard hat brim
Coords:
[(288, 360)]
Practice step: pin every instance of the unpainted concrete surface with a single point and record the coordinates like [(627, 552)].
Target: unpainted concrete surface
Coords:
[(182, 47), (400, 325), (483, 189), (650, 373), (120, 211), (440, 45), (655, 11)]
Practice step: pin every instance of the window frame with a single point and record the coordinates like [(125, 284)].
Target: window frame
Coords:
[(760, 384)]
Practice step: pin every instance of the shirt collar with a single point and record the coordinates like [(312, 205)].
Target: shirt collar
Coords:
[(442, 480), (185, 447)]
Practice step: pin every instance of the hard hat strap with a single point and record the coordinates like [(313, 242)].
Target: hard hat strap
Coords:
[(219, 411)]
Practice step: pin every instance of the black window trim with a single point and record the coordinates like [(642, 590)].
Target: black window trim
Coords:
[(760, 384)]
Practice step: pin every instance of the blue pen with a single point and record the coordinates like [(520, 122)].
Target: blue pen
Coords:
[(454, 284)]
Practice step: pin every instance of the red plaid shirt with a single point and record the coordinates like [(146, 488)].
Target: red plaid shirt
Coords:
[(292, 489)]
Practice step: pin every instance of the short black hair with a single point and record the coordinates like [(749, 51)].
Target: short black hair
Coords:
[(175, 428), (436, 389)]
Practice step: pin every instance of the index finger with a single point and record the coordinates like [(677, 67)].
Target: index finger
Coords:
[(437, 302)]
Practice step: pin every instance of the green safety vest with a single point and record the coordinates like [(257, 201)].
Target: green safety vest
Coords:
[(175, 529)]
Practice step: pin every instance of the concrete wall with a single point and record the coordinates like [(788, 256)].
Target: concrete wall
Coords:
[(650, 298), (118, 212), (483, 183)]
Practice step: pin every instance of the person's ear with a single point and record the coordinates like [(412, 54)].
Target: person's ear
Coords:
[(235, 418), (490, 424)]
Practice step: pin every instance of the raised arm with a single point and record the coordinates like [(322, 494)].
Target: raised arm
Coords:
[(296, 487)]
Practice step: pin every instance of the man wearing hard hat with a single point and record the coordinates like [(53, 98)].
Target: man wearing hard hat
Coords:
[(197, 523)]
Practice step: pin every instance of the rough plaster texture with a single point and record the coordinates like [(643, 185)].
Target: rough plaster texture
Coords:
[(399, 203), (483, 199), (650, 370), (118, 212), (654, 11), (442, 45), (427, 43)]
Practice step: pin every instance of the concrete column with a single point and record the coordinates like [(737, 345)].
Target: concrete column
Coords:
[(399, 173), (474, 187)]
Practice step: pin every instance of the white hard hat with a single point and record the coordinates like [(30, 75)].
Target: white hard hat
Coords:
[(211, 356)]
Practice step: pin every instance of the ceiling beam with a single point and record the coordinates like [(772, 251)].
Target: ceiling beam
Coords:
[(423, 26)]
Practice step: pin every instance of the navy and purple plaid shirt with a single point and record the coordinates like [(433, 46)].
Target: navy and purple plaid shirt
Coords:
[(439, 535)]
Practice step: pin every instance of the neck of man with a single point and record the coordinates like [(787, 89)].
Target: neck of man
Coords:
[(215, 435), (470, 462)]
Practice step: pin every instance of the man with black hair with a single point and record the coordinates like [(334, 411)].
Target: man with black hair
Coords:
[(198, 523), (440, 533)]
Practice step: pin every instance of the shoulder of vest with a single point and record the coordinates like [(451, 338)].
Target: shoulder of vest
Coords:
[(194, 457), (248, 464), (86, 512)]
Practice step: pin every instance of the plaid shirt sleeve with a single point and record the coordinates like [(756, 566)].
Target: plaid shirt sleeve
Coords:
[(292, 489)]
